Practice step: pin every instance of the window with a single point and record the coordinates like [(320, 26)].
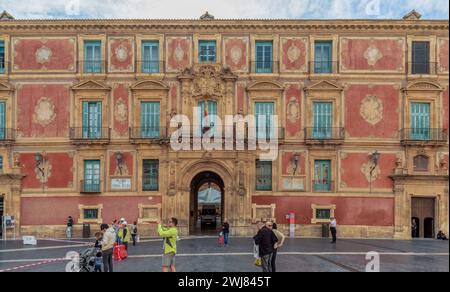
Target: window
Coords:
[(420, 58), (263, 175), (150, 175), (93, 57), (207, 115), (90, 214), (323, 57), (421, 163), (91, 183), (264, 112), (264, 57), (322, 176), (150, 119), (322, 120), (1, 164), (420, 121), (207, 52), (323, 214), (2, 57), (92, 120), (2, 120), (150, 57)]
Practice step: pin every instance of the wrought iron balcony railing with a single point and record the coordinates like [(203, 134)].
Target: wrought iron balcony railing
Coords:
[(324, 135), (90, 186), (416, 68), (90, 134), (323, 67), (322, 186), (423, 135), (92, 67), (149, 133), (263, 67), (7, 135), (150, 67)]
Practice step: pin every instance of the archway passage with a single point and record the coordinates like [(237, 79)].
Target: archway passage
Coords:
[(206, 203), (423, 215)]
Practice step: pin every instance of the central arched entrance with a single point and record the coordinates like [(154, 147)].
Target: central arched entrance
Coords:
[(206, 203)]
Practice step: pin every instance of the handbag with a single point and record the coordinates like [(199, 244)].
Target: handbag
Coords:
[(258, 262)]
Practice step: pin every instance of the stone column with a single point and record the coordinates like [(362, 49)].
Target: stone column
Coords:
[(186, 81), (230, 81), (402, 229)]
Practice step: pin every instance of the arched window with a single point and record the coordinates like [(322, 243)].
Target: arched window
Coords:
[(421, 163)]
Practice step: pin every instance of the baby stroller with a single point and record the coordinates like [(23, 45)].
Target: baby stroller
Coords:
[(87, 260), (221, 240)]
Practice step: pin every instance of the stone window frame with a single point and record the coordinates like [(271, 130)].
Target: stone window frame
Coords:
[(82, 220), (141, 208), (421, 170), (162, 57), (335, 57), (315, 207), (275, 39), (6, 41), (208, 37), (255, 208), (104, 43), (433, 52)]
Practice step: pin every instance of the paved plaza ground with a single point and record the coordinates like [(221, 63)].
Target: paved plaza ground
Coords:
[(201, 254)]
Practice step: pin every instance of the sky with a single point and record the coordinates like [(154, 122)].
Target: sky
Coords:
[(225, 9)]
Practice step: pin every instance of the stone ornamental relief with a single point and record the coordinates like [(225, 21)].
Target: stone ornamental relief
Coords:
[(293, 53), (371, 109), (373, 55), (43, 55), (208, 81), (293, 109), (44, 112), (121, 53), (178, 53), (121, 111), (236, 55)]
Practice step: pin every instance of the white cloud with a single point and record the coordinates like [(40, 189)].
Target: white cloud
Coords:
[(192, 9)]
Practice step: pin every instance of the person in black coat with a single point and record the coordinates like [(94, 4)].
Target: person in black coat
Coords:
[(267, 242)]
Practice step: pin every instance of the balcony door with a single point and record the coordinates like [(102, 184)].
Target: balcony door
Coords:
[(322, 175), (264, 112), (93, 57), (420, 121), (92, 120), (91, 175), (150, 119), (2, 120), (322, 120)]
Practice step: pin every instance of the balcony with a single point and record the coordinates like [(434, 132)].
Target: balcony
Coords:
[(90, 187), (149, 135), (92, 67), (429, 68), (7, 136), (3, 66), (265, 67), (90, 135), (150, 67), (432, 137), (324, 136), (322, 186), (323, 67)]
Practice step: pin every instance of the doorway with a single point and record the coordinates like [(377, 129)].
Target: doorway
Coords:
[(206, 204), (423, 215)]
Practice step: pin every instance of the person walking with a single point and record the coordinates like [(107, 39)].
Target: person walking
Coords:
[(124, 234), (267, 242), (69, 229), (281, 238), (333, 229), (170, 236), (134, 232), (226, 232), (108, 240)]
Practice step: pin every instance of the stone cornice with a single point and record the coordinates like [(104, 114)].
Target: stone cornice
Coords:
[(423, 178), (133, 25)]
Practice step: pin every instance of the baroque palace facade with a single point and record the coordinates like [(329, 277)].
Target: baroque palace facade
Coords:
[(85, 107)]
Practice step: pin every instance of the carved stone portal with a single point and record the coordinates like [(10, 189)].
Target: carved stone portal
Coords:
[(208, 81)]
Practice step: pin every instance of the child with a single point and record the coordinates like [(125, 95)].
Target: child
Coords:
[(98, 240), (98, 262), (221, 240)]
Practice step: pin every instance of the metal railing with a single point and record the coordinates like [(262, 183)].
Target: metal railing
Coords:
[(150, 67), (423, 135), (417, 68), (7, 135), (90, 133), (149, 133), (92, 66), (322, 186), (90, 186), (324, 134), (247, 133), (263, 67), (323, 67)]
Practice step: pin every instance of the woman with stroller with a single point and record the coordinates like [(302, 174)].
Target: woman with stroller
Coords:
[(108, 240)]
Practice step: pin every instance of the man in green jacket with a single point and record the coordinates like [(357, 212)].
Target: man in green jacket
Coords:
[(170, 235)]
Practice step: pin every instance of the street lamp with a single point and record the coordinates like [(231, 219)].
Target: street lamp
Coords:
[(374, 157), (119, 159), (295, 160), (40, 166)]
